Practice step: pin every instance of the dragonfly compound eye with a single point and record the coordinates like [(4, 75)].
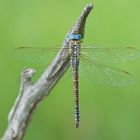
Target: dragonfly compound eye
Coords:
[(74, 36)]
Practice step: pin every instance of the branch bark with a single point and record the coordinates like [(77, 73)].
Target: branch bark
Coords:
[(31, 94)]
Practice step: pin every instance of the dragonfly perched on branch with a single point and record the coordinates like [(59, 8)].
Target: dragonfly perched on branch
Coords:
[(94, 63)]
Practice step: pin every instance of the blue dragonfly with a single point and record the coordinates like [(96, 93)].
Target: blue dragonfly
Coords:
[(91, 61)]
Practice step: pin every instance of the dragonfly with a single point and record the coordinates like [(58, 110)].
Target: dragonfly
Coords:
[(91, 61)]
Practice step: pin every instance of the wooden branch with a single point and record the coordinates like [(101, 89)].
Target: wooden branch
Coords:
[(30, 94)]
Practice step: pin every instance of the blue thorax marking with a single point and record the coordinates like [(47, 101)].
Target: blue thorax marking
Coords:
[(74, 36)]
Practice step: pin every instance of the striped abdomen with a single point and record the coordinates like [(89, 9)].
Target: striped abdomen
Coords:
[(76, 95), (75, 65)]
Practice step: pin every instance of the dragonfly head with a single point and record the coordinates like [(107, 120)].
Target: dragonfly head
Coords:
[(75, 37)]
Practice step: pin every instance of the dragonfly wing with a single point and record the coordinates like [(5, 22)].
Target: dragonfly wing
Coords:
[(110, 55), (35, 54), (101, 74)]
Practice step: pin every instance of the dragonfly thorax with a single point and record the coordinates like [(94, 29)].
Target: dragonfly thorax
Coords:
[(74, 52)]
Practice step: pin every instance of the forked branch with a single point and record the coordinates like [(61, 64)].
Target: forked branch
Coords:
[(31, 94)]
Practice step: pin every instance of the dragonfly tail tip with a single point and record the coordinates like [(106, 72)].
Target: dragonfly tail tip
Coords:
[(77, 125)]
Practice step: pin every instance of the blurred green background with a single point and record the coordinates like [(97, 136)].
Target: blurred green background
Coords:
[(107, 113)]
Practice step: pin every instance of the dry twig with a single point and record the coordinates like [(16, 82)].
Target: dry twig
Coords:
[(30, 94)]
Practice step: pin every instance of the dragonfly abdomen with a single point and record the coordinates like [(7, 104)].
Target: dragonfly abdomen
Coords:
[(75, 65), (76, 95)]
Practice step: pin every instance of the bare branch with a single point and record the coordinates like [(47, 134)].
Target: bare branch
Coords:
[(30, 94)]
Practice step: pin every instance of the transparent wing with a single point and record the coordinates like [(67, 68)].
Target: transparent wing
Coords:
[(110, 55), (98, 73), (35, 54)]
